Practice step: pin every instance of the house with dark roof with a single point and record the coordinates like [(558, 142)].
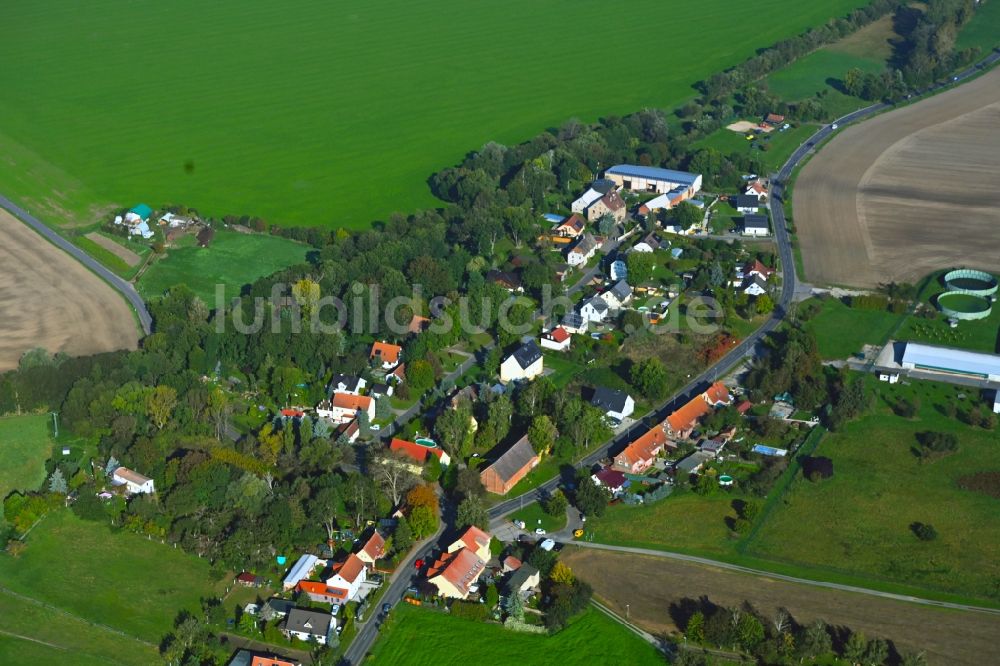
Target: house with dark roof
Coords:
[(755, 286), (755, 225), (525, 363), (649, 243), (594, 309), (612, 479), (618, 295), (582, 251), (610, 204), (746, 203), (573, 322), (276, 607), (504, 472), (615, 403), (309, 625), (506, 279), (347, 384), (523, 580)]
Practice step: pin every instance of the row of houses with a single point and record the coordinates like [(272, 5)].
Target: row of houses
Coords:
[(346, 401)]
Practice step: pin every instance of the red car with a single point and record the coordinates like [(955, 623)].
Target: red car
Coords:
[(419, 564)]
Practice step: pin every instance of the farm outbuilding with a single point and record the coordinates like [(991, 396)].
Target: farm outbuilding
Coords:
[(652, 179)]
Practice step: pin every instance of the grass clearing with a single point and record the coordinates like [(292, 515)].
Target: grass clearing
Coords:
[(118, 579), (592, 638), (981, 30), (841, 330), (860, 520), (363, 104), (533, 516), (232, 259), (779, 145), (25, 445)]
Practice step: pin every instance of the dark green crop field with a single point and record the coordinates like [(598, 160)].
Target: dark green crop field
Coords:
[(323, 112)]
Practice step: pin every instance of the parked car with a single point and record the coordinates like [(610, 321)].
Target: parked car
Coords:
[(519, 524), (540, 531), (547, 544), (374, 427)]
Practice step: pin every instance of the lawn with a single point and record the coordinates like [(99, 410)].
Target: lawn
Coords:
[(685, 521), (533, 516), (233, 259), (982, 29), (322, 113), (118, 579), (25, 445), (57, 636), (593, 638), (780, 145), (858, 522), (841, 330)]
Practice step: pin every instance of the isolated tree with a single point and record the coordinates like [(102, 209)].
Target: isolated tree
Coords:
[(419, 375), (590, 498), (561, 573), (764, 304), (606, 225), (555, 504), (57, 482), (542, 434), (514, 606), (685, 215), (914, 659)]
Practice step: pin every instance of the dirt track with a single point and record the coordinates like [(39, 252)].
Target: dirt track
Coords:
[(906, 193), (120, 251), (49, 300), (649, 585)]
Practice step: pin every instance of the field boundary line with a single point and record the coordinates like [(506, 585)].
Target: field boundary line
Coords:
[(63, 611), (658, 643)]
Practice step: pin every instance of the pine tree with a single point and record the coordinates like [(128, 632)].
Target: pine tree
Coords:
[(57, 482), (514, 606), (112, 465)]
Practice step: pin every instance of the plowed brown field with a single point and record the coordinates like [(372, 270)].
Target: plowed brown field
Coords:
[(906, 193), (48, 299)]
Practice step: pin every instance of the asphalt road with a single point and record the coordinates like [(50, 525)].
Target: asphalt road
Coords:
[(790, 579), (124, 287)]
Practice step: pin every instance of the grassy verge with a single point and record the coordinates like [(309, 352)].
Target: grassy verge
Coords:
[(109, 259)]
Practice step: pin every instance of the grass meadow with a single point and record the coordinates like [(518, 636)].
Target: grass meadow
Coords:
[(322, 113), (841, 330), (859, 520), (415, 637), (232, 259), (25, 445), (982, 30), (118, 579)]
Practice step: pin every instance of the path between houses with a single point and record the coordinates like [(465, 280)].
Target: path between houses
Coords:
[(790, 579)]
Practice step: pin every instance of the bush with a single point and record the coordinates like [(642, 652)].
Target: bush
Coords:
[(924, 531), (470, 611)]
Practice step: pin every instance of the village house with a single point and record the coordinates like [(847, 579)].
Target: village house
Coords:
[(320, 592), (682, 422), (380, 390), (347, 384), (308, 625), (135, 483), (755, 286), (345, 407), (639, 455), (757, 188), (649, 243), (350, 431), (524, 580), (692, 463), (416, 454), (454, 573), (247, 579), (746, 203), (506, 280), (276, 608), (573, 322), (582, 251), (618, 295), (612, 479), (385, 354), (504, 473), (757, 268), (594, 309), (755, 225), (301, 570), (618, 270), (373, 550), (524, 364), (581, 205), (773, 119), (349, 576), (570, 227), (475, 540), (248, 658), (610, 204), (615, 404), (558, 339), (397, 374)]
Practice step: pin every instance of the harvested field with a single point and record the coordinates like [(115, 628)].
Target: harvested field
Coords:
[(117, 249), (49, 300), (906, 193), (650, 585)]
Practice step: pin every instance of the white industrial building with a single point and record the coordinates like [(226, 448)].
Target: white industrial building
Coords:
[(653, 179), (951, 361)]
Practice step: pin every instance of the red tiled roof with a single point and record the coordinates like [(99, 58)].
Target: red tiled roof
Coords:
[(460, 568), (418, 324), (399, 371), (292, 412), (351, 401), (319, 588), (259, 660), (375, 546), (687, 416), (247, 577), (645, 447), (413, 450), (387, 353), (612, 478), (512, 563), (758, 267), (717, 393), (351, 568), (744, 407), (475, 538), (559, 334)]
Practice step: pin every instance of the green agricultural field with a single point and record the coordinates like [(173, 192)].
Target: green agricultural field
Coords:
[(858, 522), (31, 633), (841, 330), (25, 445), (118, 579), (232, 259), (593, 638), (982, 30), (312, 112)]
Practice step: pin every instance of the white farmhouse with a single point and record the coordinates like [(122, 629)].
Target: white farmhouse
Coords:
[(135, 483)]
